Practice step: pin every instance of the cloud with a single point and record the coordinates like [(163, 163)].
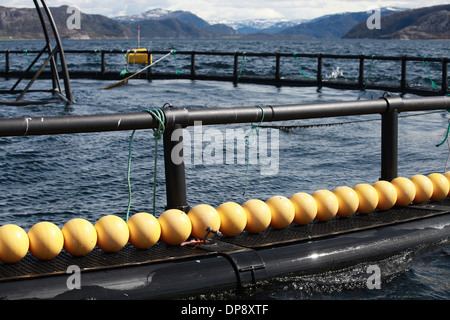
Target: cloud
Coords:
[(232, 9)]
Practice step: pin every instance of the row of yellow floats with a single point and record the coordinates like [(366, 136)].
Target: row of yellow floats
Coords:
[(174, 227)]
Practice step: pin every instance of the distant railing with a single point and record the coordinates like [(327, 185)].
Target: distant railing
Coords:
[(317, 80)]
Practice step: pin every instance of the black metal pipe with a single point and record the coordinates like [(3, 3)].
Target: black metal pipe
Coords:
[(444, 76), (209, 116), (7, 67), (174, 169), (75, 124), (389, 145), (403, 75)]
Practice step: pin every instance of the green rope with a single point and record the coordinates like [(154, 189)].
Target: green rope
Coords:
[(446, 136), (125, 71), (370, 73), (253, 130), (176, 64), (28, 58), (301, 69), (241, 70), (434, 85), (158, 114)]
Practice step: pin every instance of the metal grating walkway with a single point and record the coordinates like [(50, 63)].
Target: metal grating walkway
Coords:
[(30, 267)]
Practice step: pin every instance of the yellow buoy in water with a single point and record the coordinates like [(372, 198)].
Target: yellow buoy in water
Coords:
[(203, 217), (232, 218), (145, 230), (282, 212), (387, 195), (258, 215), (112, 233), (305, 208), (14, 243), (440, 186), (175, 225), (80, 237), (327, 204), (46, 240), (348, 201), (368, 198), (406, 192), (423, 186)]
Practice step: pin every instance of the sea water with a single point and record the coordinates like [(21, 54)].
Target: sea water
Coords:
[(57, 178)]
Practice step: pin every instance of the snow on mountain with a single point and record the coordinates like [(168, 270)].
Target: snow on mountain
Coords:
[(258, 25), (147, 15)]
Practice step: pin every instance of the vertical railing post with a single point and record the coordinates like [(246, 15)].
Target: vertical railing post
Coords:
[(103, 67), (319, 71), (389, 142), (235, 68), (361, 72), (193, 66), (7, 68), (175, 171), (277, 67), (403, 76), (445, 76)]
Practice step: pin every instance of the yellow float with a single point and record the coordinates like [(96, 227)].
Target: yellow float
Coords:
[(112, 233), (232, 218), (282, 212), (305, 208), (14, 243), (202, 218), (145, 230), (406, 191), (423, 186), (368, 198), (348, 201), (387, 194), (440, 186), (258, 215), (327, 204), (80, 237), (175, 225), (46, 240)]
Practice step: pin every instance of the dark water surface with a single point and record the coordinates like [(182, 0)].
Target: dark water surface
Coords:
[(57, 178)]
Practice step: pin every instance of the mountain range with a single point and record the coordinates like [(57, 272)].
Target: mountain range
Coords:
[(424, 23)]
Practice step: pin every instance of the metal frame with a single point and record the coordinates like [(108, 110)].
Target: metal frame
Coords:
[(276, 79), (387, 107), (66, 94)]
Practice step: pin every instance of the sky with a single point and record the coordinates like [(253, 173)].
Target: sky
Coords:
[(236, 10)]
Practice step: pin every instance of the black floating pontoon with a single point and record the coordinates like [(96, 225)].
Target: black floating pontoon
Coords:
[(175, 271)]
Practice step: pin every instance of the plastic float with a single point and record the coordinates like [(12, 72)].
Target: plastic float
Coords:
[(207, 248)]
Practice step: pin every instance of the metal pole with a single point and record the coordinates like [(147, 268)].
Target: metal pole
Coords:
[(403, 77), (444, 75), (103, 67), (7, 68), (277, 67), (361, 72), (174, 168), (193, 66), (389, 139), (235, 68), (319, 71), (61, 53)]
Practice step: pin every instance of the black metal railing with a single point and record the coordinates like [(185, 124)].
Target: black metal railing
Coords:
[(270, 77), (177, 118)]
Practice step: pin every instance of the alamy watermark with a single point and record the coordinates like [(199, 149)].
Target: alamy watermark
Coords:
[(374, 280), (74, 20), (211, 146), (74, 280), (374, 21)]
